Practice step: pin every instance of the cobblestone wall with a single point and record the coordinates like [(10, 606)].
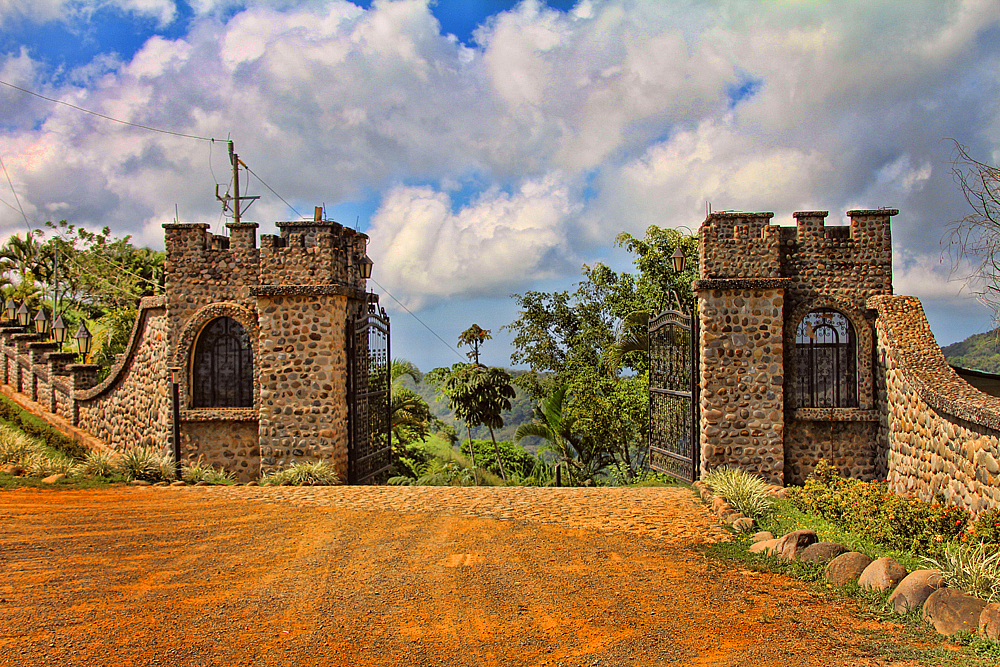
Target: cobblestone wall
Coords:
[(227, 441), (303, 395), (942, 435), (132, 406)]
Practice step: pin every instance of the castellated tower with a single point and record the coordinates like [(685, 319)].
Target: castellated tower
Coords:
[(259, 336), (786, 341)]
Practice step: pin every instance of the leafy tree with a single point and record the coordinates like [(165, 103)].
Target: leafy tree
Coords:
[(593, 342), (474, 336), (517, 462)]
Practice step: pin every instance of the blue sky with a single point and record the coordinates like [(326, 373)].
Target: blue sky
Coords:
[(489, 148)]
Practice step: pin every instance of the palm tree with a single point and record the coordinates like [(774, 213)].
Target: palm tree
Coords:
[(633, 336), (583, 458)]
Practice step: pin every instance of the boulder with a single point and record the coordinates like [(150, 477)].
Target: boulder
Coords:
[(951, 611), (761, 536), (139, 482), (11, 469), (765, 547), (914, 589), (52, 479), (846, 567), (791, 544), (989, 621), (742, 524), (882, 575), (179, 482), (821, 553)]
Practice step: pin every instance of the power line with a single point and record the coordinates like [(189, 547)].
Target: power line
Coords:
[(16, 198), (272, 190), (116, 120), (417, 318)]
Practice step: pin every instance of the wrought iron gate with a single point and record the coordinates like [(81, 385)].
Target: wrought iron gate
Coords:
[(673, 394), (368, 396)]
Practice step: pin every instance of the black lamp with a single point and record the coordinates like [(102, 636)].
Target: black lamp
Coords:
[(59, 330), (23, 315), (41, 323), (83, 339), (365, 265)]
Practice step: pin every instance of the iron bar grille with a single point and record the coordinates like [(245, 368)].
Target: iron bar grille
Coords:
[(673, 404), (369, 395), (825, 368), (222, 376)]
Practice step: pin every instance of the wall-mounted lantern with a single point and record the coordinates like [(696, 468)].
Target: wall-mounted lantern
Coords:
[(365, 265), (83, 340), (678, 258)]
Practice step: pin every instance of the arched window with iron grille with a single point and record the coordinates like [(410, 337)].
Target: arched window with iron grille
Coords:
[(222, 375), (825, 361)]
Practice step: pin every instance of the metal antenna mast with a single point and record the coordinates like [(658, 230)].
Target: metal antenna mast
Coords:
[(235, 160)]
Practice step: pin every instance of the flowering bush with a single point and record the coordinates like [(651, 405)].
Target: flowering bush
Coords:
[(987, 527), (870, 510)]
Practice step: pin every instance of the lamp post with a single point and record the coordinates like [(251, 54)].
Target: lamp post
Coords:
[(59, 329), (83, 340), (41, 323), (10, 309), (23, 315), (175, 427)]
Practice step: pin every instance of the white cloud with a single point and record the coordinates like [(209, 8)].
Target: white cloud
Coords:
[(569, 126), (41, 11)]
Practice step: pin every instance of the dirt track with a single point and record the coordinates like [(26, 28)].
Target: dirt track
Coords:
[(342, 576)]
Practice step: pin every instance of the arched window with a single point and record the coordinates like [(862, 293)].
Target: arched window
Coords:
[(825, 366), (223, 366)]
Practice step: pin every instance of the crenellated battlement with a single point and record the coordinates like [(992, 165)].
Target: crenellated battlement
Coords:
[(739, 245)]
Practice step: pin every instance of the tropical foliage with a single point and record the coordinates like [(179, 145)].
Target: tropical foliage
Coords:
[(590, 347)]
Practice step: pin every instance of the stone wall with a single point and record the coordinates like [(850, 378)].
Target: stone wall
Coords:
[(941, 435), (742, 379), (303, 395), (223, 440), (132, 406)]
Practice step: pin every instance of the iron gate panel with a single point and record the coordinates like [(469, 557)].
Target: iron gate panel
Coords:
[(673, 395), (369, 395)]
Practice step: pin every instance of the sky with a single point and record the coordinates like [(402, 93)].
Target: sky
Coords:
[(489, 148)]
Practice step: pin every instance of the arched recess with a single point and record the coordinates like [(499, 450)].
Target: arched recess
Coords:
[(222, 366), (862, 378), (202, 323)]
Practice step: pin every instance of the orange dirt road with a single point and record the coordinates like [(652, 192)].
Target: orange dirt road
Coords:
[(393, 576)]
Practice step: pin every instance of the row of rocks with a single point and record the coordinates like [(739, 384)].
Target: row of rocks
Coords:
[(947, 609)]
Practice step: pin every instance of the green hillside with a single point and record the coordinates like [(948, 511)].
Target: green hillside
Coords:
[(979, 352)]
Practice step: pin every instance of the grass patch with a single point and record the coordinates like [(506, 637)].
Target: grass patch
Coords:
[(8, 482)]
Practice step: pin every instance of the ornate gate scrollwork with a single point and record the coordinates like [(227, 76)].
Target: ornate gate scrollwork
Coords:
[(369, 385), (673, 394)]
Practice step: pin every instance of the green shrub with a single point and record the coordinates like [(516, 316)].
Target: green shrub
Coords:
[(872, 511), (146, 464), (99, 464), (317, 473), (15, 446), (199, 471), (746, 492), (973, 568), (40, 429), (517, 462), (987, 527)]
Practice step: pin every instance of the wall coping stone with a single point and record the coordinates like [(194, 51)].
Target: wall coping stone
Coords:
[(220, 415), (740, 283), (307, 290), (834, 415), (914, 349)]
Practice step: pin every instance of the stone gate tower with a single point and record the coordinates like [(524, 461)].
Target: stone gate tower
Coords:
[(786, 346), (259, 338)]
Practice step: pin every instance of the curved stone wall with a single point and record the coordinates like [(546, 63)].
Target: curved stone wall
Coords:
[(941, 435), (132, 406)]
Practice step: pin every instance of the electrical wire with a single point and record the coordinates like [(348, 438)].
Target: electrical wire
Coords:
[(116, 120), (417, 319), (264, 183), (16, 198)]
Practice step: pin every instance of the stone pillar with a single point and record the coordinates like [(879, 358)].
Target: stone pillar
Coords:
[(37, 353), (303, 381), (82, 378), (58, 362), (742, 375)]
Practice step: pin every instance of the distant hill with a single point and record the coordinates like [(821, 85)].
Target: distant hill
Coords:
[(979, 352)]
